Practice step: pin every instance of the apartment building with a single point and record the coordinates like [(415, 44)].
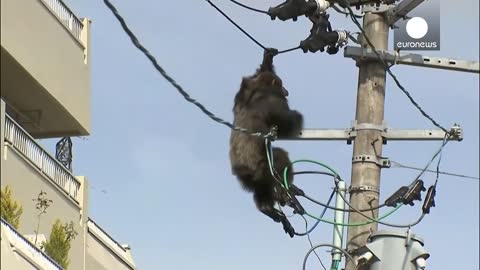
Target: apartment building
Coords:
[(45, 93)]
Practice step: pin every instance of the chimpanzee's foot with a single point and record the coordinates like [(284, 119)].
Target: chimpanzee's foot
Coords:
[(297, 207), (294, 190), (288, 227)]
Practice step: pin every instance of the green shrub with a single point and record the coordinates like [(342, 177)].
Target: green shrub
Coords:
[(59, 243), (10, 210)]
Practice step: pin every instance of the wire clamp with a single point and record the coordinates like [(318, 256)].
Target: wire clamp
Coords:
[(380, 161), (354, 189), (273, 134), (456, 132), (368, 126)]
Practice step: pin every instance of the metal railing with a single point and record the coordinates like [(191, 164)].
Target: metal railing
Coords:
[(24, 246), (49, 166), (66, 17)]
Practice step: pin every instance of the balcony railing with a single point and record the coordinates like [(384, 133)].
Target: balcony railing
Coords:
[(27, 249), (49, 166), (66, 17)]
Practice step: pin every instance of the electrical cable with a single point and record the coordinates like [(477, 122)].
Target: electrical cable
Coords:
[(152, 59), (288, 50), (318, 221), (285, 172), (310, 240), (356, 224), (445, 141), (347, 255), (236, 25), (438, 152), (399, 165), (343, 210), (337, 9), (247, 7), (374, 220), (328, 206), (387, 68), (245, 32), (352, 38)]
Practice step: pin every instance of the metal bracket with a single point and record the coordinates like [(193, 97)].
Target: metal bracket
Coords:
[(388, 134), (401, 10), (410, 59), (368, 126), (380, 161), (363, 188), (374, 8)]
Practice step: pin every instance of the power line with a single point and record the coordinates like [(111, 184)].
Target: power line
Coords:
[(245, 32), (387, 68), (234, 23), (310, 241), (248, 7), (337, 9), (347, 255), (327, 205), (179, 88), (399, 165)]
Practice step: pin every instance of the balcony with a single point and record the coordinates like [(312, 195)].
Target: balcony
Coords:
[(114, 255), (30, 257), (45, 68), (49, 167)]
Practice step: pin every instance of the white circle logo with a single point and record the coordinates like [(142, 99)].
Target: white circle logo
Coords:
[(417, 27)]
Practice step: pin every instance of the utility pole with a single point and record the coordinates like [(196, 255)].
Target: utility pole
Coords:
[(365, 186)]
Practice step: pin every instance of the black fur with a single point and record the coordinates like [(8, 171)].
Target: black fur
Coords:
[(259, 105)]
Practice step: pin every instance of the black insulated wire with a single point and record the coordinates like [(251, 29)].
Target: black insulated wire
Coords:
[(400, 165), (179, 88), (387, 68), (236, 25), (245, 32), (328, 206), (248, 7), (311, 244)]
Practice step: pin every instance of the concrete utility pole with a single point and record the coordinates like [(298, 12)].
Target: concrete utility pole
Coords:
[(369, 131), (365, 186)]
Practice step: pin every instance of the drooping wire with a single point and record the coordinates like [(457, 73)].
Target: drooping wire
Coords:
[(248, 7), (276, 176), (337, 177), (444, 143), (379, 220), (321, 216), (438, 152), (387, 68), (152, 59), (347, 255), (245, 32), (310, 240), (327, 204)]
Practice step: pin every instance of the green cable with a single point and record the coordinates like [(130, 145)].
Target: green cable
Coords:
[(285, 171), (356, 224)]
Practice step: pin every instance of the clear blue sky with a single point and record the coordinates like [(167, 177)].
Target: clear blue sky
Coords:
[(164, 165)]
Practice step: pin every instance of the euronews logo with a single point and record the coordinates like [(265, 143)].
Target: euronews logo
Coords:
[(421, 32)]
